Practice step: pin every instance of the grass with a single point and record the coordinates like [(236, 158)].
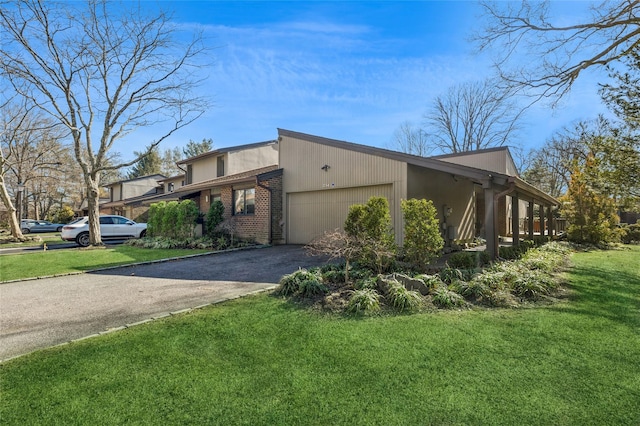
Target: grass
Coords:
[(49, 238), (53, 262), (262, 361)]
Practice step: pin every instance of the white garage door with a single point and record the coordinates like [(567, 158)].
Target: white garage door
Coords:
[(311, 213)]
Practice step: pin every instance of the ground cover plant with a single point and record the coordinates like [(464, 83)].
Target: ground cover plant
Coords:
[(54, 262), (261, 360), (533, 277)]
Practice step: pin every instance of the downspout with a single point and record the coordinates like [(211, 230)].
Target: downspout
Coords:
[(270, 212), (496, 240)]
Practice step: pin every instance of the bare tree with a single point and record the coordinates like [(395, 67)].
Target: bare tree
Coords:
[(472, 116), (552, 165), (30, 147), (102, 70), (412, 140), (556, 52)]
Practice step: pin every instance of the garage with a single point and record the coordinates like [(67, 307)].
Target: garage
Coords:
[(313, 212)]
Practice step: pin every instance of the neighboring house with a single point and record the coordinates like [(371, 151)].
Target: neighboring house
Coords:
[(172, 183), (323, 177), (126, 196), (245, 179)]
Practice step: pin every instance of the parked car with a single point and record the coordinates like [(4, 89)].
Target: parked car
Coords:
[(112, 227), (30, 225)]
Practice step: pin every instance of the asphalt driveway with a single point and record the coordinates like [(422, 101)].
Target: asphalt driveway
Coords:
[(36, 314)]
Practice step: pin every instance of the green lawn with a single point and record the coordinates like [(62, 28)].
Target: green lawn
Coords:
[(53, 262), (262, 361), (49, 238)]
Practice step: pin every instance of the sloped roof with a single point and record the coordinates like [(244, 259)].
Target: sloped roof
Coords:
[(248, 176), (472, 173)]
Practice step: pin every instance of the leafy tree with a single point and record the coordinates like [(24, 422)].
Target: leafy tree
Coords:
[(170, 158), (63, 214), (422, 239), (196, 148), (472, 116), (591, 215), (101, 70), (557, 52), (370, 225), (149, 163)]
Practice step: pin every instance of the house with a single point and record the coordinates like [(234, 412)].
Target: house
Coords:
[(293, 189), (322, 177), (126, 196), (246, 179)]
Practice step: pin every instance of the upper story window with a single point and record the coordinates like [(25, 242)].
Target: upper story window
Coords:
[(189, 177), (220, 166), (244, 201), (170, 187)]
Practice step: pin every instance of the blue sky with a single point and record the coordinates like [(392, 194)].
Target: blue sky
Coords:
[(345, 70)]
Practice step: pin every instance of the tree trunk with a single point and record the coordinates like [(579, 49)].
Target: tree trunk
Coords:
[(93, 203), (16, 231)]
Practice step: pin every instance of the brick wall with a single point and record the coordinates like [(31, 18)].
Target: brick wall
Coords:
[(265, 225)]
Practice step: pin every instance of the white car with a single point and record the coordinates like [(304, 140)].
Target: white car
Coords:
[(111, 228)]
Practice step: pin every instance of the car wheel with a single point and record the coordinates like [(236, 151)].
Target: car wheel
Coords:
[(59, 229), (83, 239), (143, 234), (25, 230)]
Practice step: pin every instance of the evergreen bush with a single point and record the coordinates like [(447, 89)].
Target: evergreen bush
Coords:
[(422, 239)]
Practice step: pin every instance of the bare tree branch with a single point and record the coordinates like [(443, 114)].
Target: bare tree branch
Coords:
[(556, 54), (102, 69), (472, 116)]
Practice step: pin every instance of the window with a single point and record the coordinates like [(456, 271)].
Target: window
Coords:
[(244, 201), (220, 166), (189, 174), (106, 220), (216, 197), (171, 187)]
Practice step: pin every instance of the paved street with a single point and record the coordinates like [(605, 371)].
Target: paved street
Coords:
[(36, 314)]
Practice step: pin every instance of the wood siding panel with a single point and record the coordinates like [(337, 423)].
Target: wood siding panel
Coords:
[(303, 162), (314, 212)]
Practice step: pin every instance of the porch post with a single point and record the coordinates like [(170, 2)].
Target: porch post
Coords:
[(542, 227), (490, 222), (515, 220), (550, 221), (530, 213)]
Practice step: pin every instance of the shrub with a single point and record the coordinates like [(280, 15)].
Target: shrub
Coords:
[(369, 282), (173, 219), (370, 226), (462, 260), (154, 223), (301, 281), (631, 234), (363, 301), (215, 216), (532, 285), (476, 289), (402, 299), (449, 275), (312, 286), (445, 298), (422, 239), (430, 281)]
